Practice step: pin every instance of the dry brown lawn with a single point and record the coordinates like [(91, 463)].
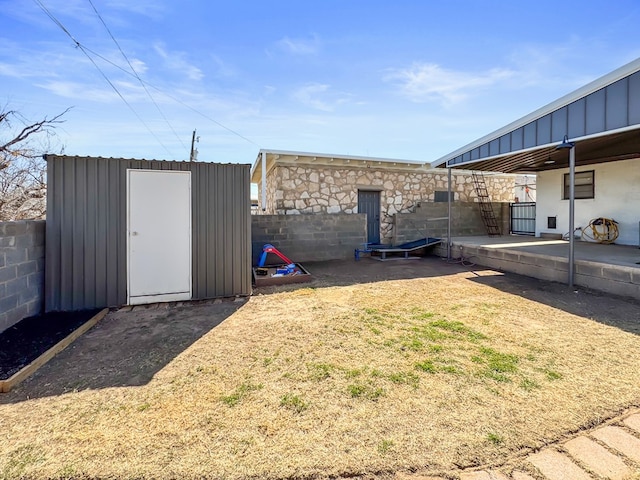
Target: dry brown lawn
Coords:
[(428, 374)]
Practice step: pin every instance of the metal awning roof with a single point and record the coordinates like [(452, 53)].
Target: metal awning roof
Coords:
[(602, 118)]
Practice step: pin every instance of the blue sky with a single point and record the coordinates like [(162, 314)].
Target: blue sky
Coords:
[(409, 79)]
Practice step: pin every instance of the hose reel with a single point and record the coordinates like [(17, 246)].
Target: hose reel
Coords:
[(601, 230)]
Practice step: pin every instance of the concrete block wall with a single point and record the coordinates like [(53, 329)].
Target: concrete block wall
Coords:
[(613, 279), (309, 238), (21, 270), (465, 221)]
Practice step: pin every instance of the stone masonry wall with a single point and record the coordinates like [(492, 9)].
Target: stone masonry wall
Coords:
[(466, 221), (21, 270), (308, 238), (295, 189)]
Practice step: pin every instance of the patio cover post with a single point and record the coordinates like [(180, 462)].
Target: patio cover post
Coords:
[(448, 213), (572, 191), (566, 144)]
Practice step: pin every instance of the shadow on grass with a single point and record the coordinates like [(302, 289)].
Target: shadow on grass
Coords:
[(615, 311), (124, 349), (340, 273)]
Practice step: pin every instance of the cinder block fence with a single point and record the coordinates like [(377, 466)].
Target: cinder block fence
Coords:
[(309, 237), (21, 270)]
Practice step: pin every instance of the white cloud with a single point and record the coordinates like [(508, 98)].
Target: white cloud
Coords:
[(427, 82), (77, 91), (177, 61), (152, 8), (223, 69), (319, 96), (138, 65), (298, 46), (101, 93)]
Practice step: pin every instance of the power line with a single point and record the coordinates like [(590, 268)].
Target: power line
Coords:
[(86, 50), (133, 70), (177, 100), (82, 49)]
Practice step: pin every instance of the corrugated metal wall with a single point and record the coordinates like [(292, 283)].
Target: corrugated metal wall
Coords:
[(86, 256)]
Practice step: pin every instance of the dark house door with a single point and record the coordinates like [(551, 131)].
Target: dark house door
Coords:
[(369, 203)]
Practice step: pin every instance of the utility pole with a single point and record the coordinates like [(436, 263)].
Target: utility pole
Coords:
[(194, 151)]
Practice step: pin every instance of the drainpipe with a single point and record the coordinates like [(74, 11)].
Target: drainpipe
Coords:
[(449, 213), (264, 181)]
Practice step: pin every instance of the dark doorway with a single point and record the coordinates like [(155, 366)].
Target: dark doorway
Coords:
[(369, 203)]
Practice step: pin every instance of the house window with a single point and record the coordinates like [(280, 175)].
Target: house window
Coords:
[(584, 185), (441, 196)]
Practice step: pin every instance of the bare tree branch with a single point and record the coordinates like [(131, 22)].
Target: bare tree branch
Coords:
[(29, 130), (23, 184)]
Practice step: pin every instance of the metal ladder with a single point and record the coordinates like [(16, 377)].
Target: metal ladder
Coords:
[(486, 208)]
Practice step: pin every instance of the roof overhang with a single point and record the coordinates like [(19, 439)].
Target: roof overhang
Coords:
[(609, 147), (602, 119), (285, 157)]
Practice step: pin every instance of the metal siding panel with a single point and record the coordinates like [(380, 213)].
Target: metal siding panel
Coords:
[(195, 231), (634, 99), (494, 147), (116, 289), (245, 245), (230, 211), (118, 230), (215, 275), (246, 181), (101, 217), (543, 127), (517, 139), (529, 135), (617, 104), (559, 125), (53, 241), (484, 150), (80, 237), (66, 253), (576, 120), (202, 256), (89, 246), (212, 230), (595, 112), (227, 211), (225, 239), (505, 143)]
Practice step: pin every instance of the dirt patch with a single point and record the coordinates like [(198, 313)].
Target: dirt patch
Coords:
[(125, 349), (25, 341), (374, 368)]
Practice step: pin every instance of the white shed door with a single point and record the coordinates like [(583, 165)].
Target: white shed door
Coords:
[(159, 236)]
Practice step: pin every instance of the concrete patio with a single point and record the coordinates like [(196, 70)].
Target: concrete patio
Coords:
[(609, 268)]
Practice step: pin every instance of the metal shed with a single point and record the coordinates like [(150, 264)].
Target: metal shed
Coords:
[(126, 231)]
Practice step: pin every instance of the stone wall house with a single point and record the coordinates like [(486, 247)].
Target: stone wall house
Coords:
[(307, 183)]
